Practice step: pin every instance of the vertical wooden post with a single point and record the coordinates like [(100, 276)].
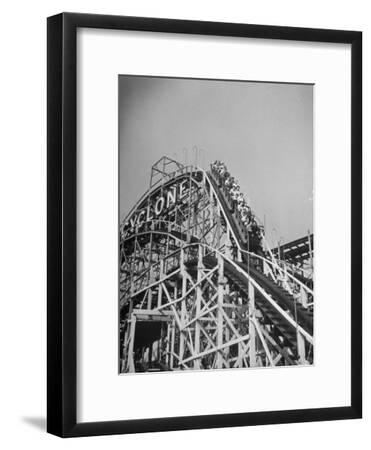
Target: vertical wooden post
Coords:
[(189, 208), (303, 297), (124, 355), (159, 298), (168, 337), (150, 293), (130, 363), (252, 330), (197, 362), (239, 255), (149, 300), (228, 245), (219, 359), (301, 348), (172, 344), (182, 336)]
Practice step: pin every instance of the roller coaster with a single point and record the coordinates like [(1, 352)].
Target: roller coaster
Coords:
[(201, 290)]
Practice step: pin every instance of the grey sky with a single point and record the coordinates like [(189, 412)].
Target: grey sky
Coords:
[(262, 131)]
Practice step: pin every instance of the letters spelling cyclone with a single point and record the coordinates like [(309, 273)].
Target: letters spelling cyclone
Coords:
[(171, 197)]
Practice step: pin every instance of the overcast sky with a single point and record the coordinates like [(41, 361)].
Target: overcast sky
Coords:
[(262, 131)]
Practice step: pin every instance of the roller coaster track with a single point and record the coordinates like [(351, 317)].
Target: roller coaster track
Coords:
[(193, 294)]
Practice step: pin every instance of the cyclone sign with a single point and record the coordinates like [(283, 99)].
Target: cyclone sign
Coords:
[(156, 206)]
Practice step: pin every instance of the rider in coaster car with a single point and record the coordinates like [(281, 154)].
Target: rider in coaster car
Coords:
[(224, 174), (233, 189), (229, 182), (240, 198), (234, 192), (218, 168)]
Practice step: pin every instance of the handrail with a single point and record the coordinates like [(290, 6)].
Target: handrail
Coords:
[(156, 221), (275, 265)]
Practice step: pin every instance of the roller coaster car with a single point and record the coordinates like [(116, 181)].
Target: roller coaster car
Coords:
[(251, 240)]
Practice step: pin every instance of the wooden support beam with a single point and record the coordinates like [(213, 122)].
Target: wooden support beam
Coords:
[(263, 341), (198, 306), (183, 306), (130, 360), (252, 331), (301, 348), (219, 359), (217, 349)]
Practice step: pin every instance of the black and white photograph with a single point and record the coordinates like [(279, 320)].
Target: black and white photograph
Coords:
[(184, 231), (216, 232)]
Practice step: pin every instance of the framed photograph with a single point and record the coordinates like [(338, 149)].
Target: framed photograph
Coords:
[(204, 224)]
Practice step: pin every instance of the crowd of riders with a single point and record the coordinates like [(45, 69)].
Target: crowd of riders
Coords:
[(232, 186)]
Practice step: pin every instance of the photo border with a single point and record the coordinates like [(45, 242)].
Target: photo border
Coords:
[(62, 222)]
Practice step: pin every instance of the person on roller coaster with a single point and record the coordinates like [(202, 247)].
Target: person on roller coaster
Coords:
[(220, 170), (233, 191)]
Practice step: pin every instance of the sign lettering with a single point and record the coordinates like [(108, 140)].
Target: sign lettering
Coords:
[(167, 199)]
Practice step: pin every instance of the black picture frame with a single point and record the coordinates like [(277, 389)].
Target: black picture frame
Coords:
[(61, 224)]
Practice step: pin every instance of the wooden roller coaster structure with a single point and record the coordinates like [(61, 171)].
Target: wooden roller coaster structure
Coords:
[(199, 290)]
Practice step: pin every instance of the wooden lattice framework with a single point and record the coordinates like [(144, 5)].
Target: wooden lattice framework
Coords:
[(192, 295)]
